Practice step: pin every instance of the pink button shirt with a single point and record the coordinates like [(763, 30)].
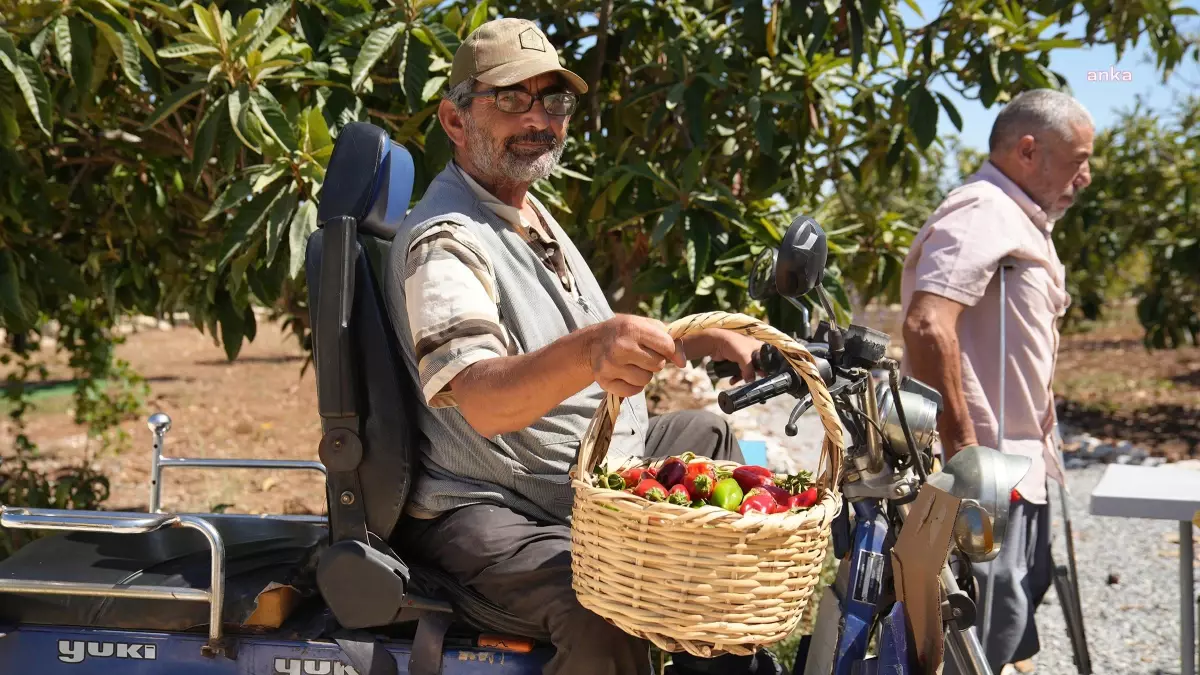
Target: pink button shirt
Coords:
[(956, 254)]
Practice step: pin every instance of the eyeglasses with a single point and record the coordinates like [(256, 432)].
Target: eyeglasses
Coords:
[(517, 101)]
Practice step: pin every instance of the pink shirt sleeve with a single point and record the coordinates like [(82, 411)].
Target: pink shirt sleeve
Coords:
[(963, 249)]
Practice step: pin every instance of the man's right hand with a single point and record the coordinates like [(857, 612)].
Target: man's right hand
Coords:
[(625, 352)]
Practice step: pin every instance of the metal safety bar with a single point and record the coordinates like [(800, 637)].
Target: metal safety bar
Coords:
[(118, 522), (160, 424)]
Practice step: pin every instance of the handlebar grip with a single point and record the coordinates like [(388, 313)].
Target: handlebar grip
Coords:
[(721, 369), (758, 391)]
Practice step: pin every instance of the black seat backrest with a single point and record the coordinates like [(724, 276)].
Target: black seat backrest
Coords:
[(363, 387)]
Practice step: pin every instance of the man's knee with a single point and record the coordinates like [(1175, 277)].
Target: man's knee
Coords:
[(586, 643), (709, 433)]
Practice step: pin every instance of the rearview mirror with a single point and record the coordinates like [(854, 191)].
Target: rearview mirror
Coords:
[(800, 263)]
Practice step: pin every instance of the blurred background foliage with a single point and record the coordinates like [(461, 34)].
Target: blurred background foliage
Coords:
[(163, 157)]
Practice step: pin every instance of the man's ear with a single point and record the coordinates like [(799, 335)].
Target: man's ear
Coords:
[(1027, 149), (452, 122)]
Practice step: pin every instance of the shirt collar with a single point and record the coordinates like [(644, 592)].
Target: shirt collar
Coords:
[(991, 173), (507, 213)]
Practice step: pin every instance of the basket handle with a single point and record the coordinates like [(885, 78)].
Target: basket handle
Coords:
[(594, 447)]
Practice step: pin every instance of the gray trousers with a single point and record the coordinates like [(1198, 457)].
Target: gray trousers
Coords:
[(1024, 572), (524, 565)]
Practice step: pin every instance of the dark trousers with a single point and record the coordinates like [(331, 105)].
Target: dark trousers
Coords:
[(525, 566), (1024, 573)]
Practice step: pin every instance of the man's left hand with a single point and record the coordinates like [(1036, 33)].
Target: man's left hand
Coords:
[(725, 345)]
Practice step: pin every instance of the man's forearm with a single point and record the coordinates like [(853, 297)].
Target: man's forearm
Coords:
[(505, 394), (936, 359)]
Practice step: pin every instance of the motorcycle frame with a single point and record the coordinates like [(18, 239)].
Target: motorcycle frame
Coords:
[(838, 645)]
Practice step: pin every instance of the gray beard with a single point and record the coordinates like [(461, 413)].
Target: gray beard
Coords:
[(499, 164)]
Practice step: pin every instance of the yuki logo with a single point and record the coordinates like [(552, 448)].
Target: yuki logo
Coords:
[(75, 651), (312, 667)]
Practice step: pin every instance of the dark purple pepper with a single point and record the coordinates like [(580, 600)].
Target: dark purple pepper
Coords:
[(782, 496), (671, 473)]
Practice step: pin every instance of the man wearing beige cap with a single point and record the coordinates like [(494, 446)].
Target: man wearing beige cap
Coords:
[(514, 347)]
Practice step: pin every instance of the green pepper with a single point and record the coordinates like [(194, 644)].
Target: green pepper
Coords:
[(727, 494)]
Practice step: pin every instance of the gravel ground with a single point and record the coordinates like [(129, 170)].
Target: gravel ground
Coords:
[(1132, 626)]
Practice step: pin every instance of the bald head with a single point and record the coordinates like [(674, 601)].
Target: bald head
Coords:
[(1042, 140)]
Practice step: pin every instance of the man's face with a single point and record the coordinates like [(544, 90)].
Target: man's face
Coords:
[(1062, 170), (515, 147)]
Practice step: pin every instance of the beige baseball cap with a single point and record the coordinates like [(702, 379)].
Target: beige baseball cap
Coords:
[(503, 52)]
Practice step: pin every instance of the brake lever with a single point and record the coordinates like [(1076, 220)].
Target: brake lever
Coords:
[(805, 403)]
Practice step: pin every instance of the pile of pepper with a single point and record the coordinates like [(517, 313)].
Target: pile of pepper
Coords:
[(686, 480)]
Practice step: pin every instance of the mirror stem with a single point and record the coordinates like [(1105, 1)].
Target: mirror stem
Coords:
[(837, 342)]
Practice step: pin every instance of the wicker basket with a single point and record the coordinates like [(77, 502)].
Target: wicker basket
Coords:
[(706, 580)]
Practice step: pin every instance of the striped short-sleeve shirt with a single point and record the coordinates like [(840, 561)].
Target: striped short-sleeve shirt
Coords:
[(453, 303)]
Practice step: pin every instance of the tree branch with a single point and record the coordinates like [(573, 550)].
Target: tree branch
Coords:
[(601, 49)]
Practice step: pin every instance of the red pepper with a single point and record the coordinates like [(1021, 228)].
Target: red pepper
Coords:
[(758, 500), (804, 499), (679, 495), (633, 476), (750, 477), (652, 472), (671, 472), (651, 489), (700, 480)]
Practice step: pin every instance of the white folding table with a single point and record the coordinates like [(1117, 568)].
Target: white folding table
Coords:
[(1159, 493)]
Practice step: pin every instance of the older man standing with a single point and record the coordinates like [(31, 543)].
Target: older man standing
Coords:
[(514, 346), (1040, 148)]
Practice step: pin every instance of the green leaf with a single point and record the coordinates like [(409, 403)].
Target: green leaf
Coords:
[(10, 128), (232, 327), (432, 87), (29, 78), (951, 111), (82, 54), (208, 24), (206, 134), (174, 101), (246, 223), (453, 19), (303, 224), (414, 71), (123, 46), (896, 28), (477, 17), (102, 57), (699, 247), (277, 220), (38, 44), (376, 44), (270, 21), (11, 308), (62, 41), (412, 126), (345, 27), (273, 117), (1057, 43), (316, 132), (182, 49), (264, 180), (922, 115), (443, 38), (665, 223), (232, 196), (239, 106), (132, 29)]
